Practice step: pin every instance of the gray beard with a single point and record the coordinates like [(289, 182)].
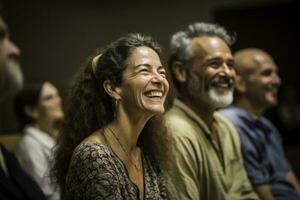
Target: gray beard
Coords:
[(210, 95), (11, 79)]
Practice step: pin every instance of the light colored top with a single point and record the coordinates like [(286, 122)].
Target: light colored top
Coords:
[(202, 170), (34, 153)]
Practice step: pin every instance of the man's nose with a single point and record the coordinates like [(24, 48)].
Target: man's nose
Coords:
[(13, 49), (276, 79), (227, 69)]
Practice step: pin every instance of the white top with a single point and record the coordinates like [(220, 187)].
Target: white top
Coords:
[(35, 152)]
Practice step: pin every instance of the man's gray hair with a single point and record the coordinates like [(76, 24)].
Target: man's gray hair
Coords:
[(180, 41)]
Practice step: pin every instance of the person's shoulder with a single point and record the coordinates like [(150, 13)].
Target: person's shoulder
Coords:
[(236, 116), (223, 120), (27, 144), (89, 152), (231, 112), (227, 126), (179, 126), (176, 117), (91, 148)]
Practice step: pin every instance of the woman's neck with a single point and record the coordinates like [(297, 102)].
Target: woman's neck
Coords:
[(46, 127), (128, 128)]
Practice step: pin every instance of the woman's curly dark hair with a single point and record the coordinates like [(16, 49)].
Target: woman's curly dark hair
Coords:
[(89, 107)]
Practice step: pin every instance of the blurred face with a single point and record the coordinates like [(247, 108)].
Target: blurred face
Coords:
[(49, 108), (263, 82), (211, 78), (11, 78), (8, 50), (144, 86)]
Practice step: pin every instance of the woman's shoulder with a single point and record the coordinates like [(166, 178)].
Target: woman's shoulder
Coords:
[(92, 173), (91, 149), (92, 156)]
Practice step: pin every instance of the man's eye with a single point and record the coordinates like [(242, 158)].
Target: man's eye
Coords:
[(2, 35), (163, 74), (143, 70), (231, 65), (214, 64), (267, 72)]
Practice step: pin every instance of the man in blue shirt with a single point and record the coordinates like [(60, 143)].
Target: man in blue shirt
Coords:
[(257, 85)]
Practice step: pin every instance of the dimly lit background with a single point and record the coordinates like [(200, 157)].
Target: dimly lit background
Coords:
[(56, 37)]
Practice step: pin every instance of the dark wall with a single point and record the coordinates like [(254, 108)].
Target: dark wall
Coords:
[(273, 28), (56, 37)]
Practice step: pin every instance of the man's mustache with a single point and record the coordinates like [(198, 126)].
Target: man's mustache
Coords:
[(222, 80)]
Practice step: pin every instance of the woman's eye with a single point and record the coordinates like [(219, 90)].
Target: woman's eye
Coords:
[(163, 73), (144, 70)]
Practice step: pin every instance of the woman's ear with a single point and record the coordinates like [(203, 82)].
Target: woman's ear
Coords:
[(31, 112), (240, 84), (179, 72), (112, 90)]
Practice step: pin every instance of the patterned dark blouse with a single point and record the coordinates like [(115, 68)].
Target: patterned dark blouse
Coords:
[(95, 172)]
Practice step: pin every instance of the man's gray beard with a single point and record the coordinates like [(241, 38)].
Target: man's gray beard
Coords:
[(211, 96), (219, 100), (11, 79)]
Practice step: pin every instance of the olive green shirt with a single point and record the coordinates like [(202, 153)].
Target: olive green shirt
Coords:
[(200, 169)]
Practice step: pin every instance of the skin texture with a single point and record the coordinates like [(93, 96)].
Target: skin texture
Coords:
[(144, 74)]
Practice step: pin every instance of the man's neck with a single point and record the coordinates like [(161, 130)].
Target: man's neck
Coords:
[(202, 109)]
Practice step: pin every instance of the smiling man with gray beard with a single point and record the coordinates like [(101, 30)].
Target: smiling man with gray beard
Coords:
[(207, 160)]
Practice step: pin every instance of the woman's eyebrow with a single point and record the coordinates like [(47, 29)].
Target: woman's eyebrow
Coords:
[(143, 64)]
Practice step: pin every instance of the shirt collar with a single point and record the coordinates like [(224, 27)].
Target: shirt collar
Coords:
[(42, 137), (192, 115)]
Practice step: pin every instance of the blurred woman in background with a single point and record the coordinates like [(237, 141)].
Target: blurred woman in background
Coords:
[(39, 109)]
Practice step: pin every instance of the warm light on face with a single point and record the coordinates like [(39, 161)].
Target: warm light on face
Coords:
[(144, 87)]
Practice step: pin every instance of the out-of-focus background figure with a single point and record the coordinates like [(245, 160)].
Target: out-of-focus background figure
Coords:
[(257, 86), (14, 182), (39, 109), (11, 80)]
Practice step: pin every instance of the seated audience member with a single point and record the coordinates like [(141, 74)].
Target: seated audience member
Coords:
[(15, 184), (207, 157), (39, 108), (113, 144), (257, 85)]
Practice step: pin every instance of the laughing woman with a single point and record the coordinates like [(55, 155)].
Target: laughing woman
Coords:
[(113, 143)]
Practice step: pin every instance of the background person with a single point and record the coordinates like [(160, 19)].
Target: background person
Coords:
[(208, 162), (256, 91), (39, 108), (14, 182)]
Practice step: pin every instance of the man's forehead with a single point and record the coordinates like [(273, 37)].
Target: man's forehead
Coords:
[(206, 45)]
